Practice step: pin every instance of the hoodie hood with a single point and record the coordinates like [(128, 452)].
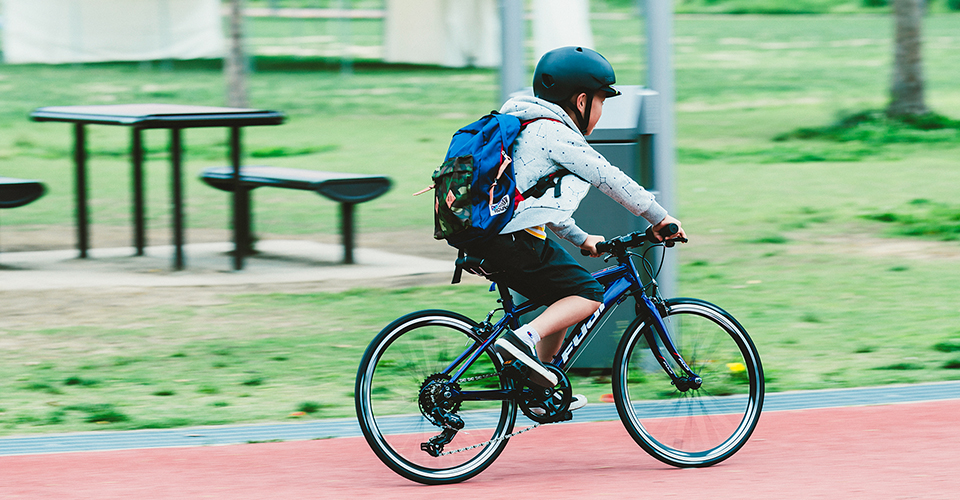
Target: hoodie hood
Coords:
[(530, 108)]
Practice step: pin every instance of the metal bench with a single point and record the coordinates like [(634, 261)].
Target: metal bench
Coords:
[(18, 192), (347, 189)]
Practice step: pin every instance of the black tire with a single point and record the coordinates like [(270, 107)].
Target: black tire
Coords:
[(395, 367), (699, 427)]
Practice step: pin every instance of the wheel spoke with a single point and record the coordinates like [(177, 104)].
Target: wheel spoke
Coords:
[(699, 426), (405, 402)]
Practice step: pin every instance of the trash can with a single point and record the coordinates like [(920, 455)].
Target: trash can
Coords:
[(624, 136)]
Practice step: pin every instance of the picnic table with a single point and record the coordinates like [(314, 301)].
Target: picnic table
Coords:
[(139, 117)]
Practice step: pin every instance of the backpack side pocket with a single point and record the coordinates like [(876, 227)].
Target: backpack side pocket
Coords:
[(452, 203)]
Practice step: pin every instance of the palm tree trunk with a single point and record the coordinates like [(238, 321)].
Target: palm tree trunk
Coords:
[(235, 66), (906, 90)]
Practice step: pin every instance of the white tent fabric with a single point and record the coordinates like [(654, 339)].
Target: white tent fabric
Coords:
[(560, 23), (454, 33), (68, 31), (461, 33)]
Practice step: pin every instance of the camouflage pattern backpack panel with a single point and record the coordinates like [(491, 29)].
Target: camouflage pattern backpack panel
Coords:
[(452, 204)]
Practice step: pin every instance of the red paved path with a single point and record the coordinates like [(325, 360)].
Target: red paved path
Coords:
[(877, 452)]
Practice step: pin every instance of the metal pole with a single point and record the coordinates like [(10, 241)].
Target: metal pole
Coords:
[(139, 214), (346, 229), (513, 71), (176, 163), (659, 26), (241, 204), (80, 159)]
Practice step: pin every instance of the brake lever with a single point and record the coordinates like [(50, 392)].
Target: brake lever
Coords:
[(669, 243)]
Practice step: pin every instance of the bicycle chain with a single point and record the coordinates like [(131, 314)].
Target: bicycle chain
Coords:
[(468, 448), (478, 377)]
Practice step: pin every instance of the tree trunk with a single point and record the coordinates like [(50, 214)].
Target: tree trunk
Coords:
[(235, 66), (906, 91)]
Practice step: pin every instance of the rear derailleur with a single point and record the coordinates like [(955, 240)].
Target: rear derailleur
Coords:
[(439, 402), (438, 405)]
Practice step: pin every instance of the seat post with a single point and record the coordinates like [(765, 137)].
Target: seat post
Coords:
[(506, 299)]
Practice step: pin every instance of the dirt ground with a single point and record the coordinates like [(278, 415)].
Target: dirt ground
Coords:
[(25, 308), (85, 306)]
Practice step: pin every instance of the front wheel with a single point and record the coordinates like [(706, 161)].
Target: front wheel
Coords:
[(403, 405), (696, 426)]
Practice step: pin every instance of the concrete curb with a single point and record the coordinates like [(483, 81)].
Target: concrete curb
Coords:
[(277, 261)]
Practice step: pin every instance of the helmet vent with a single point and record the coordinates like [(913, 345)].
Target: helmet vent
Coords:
[(547, 80)]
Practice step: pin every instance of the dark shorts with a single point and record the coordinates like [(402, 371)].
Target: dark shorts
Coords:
[(537, 269)]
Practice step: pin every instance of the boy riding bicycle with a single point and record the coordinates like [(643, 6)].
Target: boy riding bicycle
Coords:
[(570, 87)]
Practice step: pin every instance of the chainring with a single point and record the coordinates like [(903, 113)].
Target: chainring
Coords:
[(547, 404)]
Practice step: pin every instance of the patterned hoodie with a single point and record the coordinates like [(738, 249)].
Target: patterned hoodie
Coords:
[(546, 146)]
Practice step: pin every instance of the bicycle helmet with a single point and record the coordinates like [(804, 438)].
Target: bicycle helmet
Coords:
[(569, 71)]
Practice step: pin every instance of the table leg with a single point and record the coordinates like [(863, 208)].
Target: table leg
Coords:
[(80, 159), (139, 232), (176, 152), (346, 230), (241, 204)]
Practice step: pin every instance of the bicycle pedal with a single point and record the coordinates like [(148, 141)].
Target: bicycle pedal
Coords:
[(516, 370)]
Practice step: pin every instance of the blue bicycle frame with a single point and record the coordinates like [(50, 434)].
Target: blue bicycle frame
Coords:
[(620, 282)]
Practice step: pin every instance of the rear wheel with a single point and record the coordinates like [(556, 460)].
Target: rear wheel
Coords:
[(699, 426), (401, 400)]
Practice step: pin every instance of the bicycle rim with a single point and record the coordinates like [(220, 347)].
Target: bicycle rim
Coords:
[(699, 427), (411, 352)]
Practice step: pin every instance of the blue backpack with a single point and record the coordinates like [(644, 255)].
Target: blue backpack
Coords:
[(475, 188)]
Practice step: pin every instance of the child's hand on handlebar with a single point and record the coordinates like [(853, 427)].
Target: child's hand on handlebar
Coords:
[(667, 221), (590, 245)]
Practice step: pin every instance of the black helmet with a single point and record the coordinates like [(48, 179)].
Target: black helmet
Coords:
[(568, 71)]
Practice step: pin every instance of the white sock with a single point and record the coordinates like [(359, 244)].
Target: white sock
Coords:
[(529, 335)]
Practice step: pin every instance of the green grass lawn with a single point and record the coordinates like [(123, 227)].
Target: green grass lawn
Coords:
[(840, 258)]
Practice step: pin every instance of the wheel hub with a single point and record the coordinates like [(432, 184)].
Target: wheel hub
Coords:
[(437, 400), (685, 384)]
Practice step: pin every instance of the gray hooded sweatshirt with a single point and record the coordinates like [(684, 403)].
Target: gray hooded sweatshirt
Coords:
[(546, 146)]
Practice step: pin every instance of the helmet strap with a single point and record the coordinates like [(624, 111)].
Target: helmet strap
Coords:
[(582, 119)]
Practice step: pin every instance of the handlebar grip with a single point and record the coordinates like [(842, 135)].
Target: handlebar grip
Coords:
[(633, 239), (602, 247), (668, 230)]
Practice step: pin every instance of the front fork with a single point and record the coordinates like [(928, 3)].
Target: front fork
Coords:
[(655, 313)]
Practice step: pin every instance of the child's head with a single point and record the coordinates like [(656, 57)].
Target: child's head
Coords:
[(578, 79)]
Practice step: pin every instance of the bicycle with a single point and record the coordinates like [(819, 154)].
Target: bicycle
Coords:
[(687, 380)]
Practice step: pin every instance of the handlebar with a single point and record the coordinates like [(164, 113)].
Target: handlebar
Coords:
[(620, 244)]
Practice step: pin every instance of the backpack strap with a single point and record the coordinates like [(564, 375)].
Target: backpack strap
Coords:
[(523, 124), (458, 269), (473, 265), (551, 180)]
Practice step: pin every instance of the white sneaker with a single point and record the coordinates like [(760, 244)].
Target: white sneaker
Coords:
[(510, 347), (578, 401)]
